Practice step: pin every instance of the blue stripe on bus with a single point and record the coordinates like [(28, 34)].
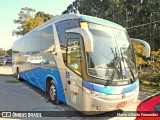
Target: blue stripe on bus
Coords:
[(110, 89), (103, 89), (100, 21), (131, 87), (88, 85)]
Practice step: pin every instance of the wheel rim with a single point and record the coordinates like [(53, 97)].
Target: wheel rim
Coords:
[(52, 92)]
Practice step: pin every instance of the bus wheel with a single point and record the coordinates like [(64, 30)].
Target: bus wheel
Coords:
[(53, 93)]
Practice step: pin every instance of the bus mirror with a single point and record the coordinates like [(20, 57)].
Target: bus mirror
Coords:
[(87, 36), (147, 46)]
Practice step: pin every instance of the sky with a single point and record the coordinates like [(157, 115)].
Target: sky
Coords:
[(9, 10)]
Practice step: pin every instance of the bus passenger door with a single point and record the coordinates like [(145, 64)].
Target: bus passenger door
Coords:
[(74, 71)]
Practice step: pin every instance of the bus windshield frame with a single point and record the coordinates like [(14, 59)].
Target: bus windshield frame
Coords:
[(113, 56)]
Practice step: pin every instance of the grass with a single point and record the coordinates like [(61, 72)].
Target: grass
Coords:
[(151, 88)]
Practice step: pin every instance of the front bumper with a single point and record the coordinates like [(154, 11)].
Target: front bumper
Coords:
[(101, 102)]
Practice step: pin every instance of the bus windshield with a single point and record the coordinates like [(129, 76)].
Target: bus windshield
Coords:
[(113, 56)]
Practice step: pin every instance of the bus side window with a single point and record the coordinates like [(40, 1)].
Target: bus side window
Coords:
[(61, 30), (47, 38), (74, 53), (47, 45)]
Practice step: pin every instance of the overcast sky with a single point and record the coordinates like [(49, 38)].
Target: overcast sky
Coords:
[(9, 10)]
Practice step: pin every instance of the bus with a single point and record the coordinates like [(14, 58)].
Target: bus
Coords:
[(85, 62)]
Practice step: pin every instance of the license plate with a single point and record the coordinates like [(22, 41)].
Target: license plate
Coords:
[(122, 104)]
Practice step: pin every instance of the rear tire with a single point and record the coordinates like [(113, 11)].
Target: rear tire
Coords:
[(52, 93)]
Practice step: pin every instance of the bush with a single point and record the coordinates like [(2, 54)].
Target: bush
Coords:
[(151, 75), (149, 68)]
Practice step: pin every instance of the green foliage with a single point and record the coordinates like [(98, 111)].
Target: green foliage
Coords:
[(132, 14), (139, 50), (44, 16), (24, 16), (148, 87), (9, 52), (151, 74), (2, 52), (32, 23), (156, 56), (28, 22)]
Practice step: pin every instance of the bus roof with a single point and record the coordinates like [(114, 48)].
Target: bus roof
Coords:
[(87, 19), (100, 21), (81, 18)]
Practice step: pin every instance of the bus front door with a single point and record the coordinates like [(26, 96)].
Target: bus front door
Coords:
[(74, 71)]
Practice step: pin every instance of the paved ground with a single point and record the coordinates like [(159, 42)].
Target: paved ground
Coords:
[(145, 94), (6, 70), (21, 96)]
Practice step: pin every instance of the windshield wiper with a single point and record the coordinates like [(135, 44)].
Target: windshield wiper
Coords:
[(124, 70), (116, 61), (111, 79), (128, 66)]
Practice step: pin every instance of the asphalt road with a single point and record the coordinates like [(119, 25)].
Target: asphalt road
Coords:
[(22, 96)]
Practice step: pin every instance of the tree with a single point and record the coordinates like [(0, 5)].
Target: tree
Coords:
[(132, 14), (9, 52), (72, 8), (24, 16), (32, 23), (140, 55), (156, 56), (2, 52), (28, 21), (43, 15)]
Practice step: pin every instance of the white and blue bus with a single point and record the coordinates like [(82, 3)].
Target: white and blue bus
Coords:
[(85, 62)]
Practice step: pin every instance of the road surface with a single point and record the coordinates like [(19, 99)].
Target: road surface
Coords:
[(21, 96)]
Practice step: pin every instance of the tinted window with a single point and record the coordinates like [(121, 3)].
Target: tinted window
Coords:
[(17, 47), (74, 53), (15, 50), (26, 44), (73, 23), (35, 41), (63, 26), (61, 30), (47, 38)]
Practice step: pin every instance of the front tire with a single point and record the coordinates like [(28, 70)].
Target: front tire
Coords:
[(53, 93)]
